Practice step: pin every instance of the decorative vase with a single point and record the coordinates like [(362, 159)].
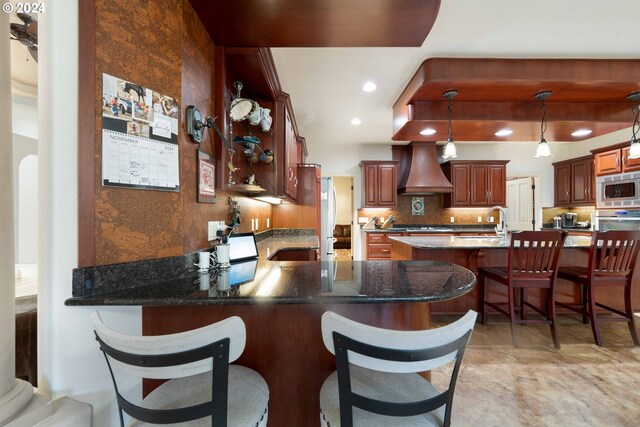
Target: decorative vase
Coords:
[(266, 120), (256, 116)]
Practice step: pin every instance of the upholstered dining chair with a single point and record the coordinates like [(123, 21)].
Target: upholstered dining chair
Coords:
[(377, 373), (612, 262), (532, 263), (203, 387)]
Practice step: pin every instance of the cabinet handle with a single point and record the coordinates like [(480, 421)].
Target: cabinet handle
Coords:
[(469, 194), (617, 161), (296, 180), (385, 250), (586, 192), (624, 160)]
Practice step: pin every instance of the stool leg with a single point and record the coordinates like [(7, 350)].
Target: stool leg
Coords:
[(551, 315), (483, 295), (523, 299), (593, 315), (583, 301), (512, 314), (630, 316)]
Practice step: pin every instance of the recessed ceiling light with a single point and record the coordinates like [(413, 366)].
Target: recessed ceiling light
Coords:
[(427, 131), (369, 87), (504, 132), (581, 132), (356, 121)]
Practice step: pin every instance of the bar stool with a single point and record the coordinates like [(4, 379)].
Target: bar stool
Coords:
[(612, 260), (532, 263), (204, 388), (376, 373)]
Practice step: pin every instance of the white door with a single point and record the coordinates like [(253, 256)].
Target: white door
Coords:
[(520, 204)]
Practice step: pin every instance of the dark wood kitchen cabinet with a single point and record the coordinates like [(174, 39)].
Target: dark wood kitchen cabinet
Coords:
[(574, 182), (379, 183), (291, 156), (476, 183)]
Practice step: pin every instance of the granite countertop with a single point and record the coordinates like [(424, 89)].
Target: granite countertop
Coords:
[(307, 282), (271, 245), (468, 242), (454, 228)]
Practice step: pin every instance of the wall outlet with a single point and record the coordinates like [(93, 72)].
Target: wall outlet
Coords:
[(212, 227), (267, 222), (452, 220), (479, 219), (490, 219)]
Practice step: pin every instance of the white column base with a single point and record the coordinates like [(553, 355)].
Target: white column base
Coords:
[(63, 412), (15, 400)]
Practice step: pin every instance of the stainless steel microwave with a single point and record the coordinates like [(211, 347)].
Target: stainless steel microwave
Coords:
[(618, 191)]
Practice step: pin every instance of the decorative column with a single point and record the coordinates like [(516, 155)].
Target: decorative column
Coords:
[(14, 394)]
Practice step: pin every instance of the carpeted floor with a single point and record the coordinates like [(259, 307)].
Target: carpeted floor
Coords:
[(537, 385)]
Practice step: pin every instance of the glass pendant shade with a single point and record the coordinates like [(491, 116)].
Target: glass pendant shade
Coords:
[(634, 149), (543, 149), (450, 150)]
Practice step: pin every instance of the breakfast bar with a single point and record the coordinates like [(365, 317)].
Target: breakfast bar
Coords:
[(281, 303)]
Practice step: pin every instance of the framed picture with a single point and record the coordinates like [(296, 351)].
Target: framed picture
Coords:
[(206, 178)]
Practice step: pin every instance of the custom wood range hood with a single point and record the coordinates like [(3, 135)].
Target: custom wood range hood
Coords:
[(418, 170), (499, 93)]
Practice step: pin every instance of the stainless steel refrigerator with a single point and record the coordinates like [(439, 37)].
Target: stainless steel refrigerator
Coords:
[(327, 218)]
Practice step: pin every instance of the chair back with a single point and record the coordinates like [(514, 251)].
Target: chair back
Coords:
[(210, 348), (533, 255), (614, 253), (397, 352)]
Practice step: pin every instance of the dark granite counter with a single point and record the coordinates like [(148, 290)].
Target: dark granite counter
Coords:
[(299, 283), (453, 228), (472, 242)]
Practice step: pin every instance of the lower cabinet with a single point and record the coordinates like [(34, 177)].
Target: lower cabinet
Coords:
[(379, 245)]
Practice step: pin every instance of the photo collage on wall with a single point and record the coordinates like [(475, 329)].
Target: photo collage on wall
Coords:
[(139, 137)]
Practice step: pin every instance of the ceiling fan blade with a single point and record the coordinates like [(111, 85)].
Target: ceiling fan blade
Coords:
[(32, 29)]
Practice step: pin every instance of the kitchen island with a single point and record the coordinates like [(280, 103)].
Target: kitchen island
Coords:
[(490, 251), (281, 304)]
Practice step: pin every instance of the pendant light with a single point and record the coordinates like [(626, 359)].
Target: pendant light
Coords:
[(450, 148), (543, 147), (634, 149)]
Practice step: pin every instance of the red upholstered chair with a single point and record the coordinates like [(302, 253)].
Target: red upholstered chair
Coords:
[(532, 263), (612, 261)]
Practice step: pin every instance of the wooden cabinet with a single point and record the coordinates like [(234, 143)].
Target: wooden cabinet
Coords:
[(379, 245), (379, 183), (476, 183), (291, 156), (574, 182), (615, 161)]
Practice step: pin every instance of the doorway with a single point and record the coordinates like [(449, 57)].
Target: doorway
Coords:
[(343, 231), (523, 201)]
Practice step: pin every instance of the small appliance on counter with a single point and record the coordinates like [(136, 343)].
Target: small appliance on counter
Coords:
[(569, 220), (557, 222)]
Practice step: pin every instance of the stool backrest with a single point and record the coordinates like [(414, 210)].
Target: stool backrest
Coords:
[(614, 253), (397, 352), (534, 254), (210, 348)]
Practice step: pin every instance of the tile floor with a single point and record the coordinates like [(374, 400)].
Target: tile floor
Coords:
[(536, 385)]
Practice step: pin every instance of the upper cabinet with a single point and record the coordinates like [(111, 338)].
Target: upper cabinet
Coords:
[(574, 182), (476, 183), (273, 162), (615, 161), (379, 183)]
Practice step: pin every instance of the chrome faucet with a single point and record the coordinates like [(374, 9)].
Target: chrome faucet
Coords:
[(501, 228)]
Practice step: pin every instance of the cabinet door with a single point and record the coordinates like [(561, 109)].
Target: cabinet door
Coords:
[(497, 185), (562, 184), (580, 181), (461, 181), (387, 185), (479, 186), (290, 157), (608, 163), (591, 189), (629, 165), (370, 177)]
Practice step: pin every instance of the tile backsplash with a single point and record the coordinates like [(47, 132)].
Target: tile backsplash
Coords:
[(584, 214), (434, 213)]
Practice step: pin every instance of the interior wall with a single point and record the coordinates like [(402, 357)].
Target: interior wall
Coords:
[(27, 228), (170, 53)]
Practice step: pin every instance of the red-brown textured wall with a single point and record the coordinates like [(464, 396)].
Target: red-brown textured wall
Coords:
[(162, 45)]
